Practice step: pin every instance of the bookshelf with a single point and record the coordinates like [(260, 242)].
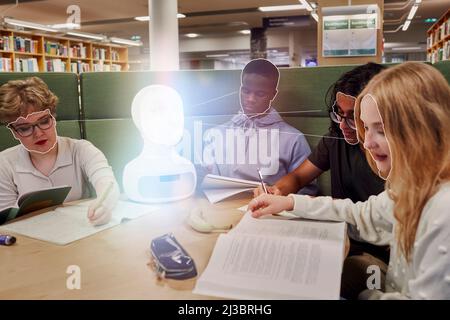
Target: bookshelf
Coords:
[(438, 39), (23, 51)]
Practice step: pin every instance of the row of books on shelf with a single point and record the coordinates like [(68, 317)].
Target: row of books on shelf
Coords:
[(115, 55), (56, 49), (439, 34), (78, 67), (26, 65), (78, 51), (106, 67), (5, 65), (19, 44), (440, 54), (99, 54), (53, 65)]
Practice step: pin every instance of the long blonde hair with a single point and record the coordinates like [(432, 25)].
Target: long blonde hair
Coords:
[(414, 103)]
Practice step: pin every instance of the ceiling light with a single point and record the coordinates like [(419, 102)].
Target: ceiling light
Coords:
[(315, 16), (26, 24), (306, 5), (147, 18), (86, 35), (412, 12), (126, 41), (66, 26), (219, 55), (192, 35), (406, 48), (406, 25), (245, 31), (282, 8)]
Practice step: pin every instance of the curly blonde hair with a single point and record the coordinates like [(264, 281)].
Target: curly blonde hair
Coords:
[(18, 96), (414, 102)]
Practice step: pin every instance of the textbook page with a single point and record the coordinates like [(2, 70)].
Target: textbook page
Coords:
[(70, 223), (276, 259), (217, 188)]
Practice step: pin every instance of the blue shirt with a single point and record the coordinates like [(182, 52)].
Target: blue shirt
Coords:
[(240, 146)]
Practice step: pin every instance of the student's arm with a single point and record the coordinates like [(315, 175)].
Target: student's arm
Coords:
[(101, 176), (316, 163), (299, 178), (430, 259), (8, 190), (372, 218)]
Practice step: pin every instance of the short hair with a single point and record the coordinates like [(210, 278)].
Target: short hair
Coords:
[(264, 68), (351, 83), (17, 96)]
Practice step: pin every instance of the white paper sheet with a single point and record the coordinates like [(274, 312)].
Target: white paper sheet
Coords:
[(70, 223)]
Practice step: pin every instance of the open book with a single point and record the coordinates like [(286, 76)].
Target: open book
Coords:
[(35, 200), (271, 258), (70, 223), (217, 188)]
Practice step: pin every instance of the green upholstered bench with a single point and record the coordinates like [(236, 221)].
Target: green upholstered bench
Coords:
[(65, 86)]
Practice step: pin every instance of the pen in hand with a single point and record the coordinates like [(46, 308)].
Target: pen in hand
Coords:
[(262, 181), (101, 198)]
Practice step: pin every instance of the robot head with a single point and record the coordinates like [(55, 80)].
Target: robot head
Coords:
[(157, 112)]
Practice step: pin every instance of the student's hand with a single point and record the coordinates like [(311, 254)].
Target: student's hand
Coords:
[(100, 211), (270, 189), (270, 204)]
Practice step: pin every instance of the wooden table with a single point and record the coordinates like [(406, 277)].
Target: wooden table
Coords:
[(114, 262)]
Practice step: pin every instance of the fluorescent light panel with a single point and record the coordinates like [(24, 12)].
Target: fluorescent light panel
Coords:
[(282, 8), (306, 5), (219, 55), (406, 48), (26, 24), (406, 25), (66, 26), (86, 35), (126, 41), (412, 12), (147, 18)]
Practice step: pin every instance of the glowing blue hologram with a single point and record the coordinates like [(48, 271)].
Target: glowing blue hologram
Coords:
[(159, 173)]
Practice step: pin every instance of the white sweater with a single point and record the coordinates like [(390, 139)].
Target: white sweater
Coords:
[(427, 276)]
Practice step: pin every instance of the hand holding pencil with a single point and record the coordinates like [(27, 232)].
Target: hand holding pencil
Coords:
[(100, 211)]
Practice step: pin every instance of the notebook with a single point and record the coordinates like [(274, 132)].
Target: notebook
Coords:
[(217, 188), (70, 223)]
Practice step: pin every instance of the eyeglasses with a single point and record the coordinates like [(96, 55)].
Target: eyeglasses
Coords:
[(338, 118), (27, 130), (349, 121)]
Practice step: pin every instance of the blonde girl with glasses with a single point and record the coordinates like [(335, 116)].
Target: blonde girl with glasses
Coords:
[(402, 119), (43, 159)]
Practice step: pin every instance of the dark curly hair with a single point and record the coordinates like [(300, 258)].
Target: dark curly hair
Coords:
[(351, 83)]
